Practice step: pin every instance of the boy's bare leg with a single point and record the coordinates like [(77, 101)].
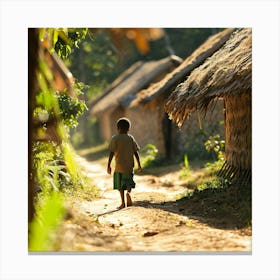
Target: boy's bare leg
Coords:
[(122, 198), (128, 199)]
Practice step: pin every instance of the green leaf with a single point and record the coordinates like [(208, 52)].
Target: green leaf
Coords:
[(55, 36), (64, 38), (45, 70)]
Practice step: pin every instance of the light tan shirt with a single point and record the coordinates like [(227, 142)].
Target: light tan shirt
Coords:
[(123, 146)]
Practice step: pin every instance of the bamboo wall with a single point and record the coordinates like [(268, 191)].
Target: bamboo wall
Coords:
[(239, 131)]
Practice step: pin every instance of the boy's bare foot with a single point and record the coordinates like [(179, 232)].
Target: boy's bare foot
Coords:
[(121, 206), (128, 200)]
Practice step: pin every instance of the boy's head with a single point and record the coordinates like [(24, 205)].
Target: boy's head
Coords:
[(123, 125)]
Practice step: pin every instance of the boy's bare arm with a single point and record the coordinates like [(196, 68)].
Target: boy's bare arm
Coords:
[(136, 154), (111, 155)]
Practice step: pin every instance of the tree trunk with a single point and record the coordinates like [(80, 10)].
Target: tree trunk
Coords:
[(33, 50)]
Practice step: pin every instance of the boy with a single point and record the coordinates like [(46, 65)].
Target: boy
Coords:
[(124, 147)]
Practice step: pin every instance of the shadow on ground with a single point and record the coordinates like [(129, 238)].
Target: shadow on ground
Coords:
[(224, 208)]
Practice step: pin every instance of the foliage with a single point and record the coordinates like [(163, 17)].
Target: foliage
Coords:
[(193, 36), (196, 139), (212, 144), (49, 166), (99, 64), (149, 156), (64, 39), (49, 214), (177, 37), (215, 183), (57, 177), (218, 146), (214, 167), (52, 104), (215, 144), (54, 167), (71, 109), (61, 40)]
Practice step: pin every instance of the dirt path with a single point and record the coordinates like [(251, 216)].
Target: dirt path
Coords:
[(155, 223)]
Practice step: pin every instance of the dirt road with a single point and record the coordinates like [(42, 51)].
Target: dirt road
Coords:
[(155, 222)]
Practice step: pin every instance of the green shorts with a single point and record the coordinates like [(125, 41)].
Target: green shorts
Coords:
[(123, 181)]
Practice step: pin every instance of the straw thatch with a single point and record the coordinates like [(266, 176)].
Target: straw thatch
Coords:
[(137, 77), (226, 74), (210, 46), (115, 101), (117, 82)]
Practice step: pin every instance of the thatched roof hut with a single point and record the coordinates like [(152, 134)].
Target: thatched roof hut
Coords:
[(112, 104), (140, 75), (154, 98), (171, 80), (226, 74)]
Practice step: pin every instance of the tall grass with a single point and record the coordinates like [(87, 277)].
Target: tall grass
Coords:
[(50, 211), (58, 178)]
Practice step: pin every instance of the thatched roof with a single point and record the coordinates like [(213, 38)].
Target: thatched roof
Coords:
[(210, 46), (117, 82), (227, 71), (137, 77)]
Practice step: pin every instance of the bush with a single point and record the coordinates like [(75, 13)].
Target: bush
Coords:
[(149, 156)]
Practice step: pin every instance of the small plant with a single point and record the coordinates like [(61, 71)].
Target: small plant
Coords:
[(185, 171), (52, 170), (215, 183), (214, 144), (148, 155)]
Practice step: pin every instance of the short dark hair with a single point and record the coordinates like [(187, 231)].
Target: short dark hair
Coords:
[(123, 124)]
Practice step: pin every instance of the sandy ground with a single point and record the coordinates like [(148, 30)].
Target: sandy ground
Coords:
[(152, 224)]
